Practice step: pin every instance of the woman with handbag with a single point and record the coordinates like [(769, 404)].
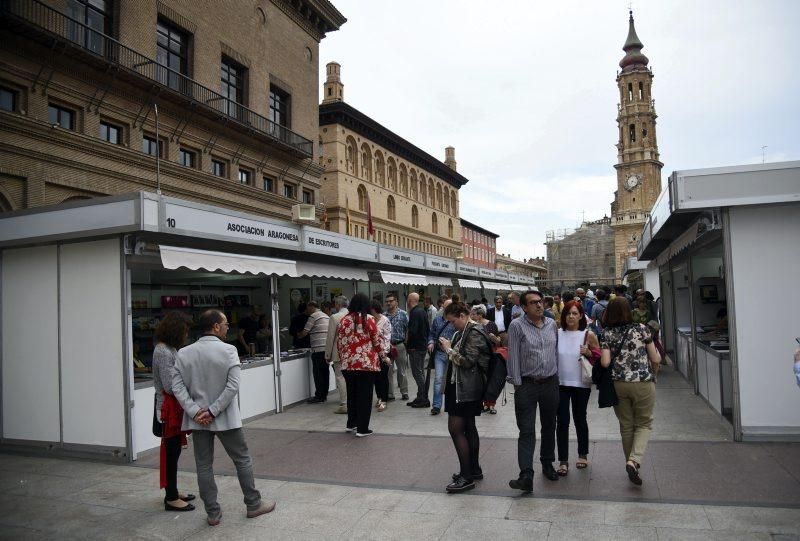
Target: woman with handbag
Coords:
[(468, 358), (628, 349), (171, 333), (578, 350)]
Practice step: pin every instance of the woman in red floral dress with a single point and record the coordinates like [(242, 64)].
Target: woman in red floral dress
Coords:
[(360, 351)]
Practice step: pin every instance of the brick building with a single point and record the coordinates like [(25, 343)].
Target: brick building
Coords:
[(479, 245), (412, 197), (231, 88), (535, 268), (581, 257)]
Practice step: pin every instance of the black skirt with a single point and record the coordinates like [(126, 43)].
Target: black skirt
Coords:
[(460, 409)]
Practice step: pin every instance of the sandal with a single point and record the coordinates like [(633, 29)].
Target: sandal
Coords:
[(492, 411), (581, 463), (563, 469), (382, 406)]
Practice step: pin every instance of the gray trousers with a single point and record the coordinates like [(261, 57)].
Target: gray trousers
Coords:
[(416, 359), (236, 447), (401, 367)]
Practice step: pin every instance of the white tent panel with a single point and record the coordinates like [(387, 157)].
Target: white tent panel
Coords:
[(173, 257), (321, 270), (470, 284), (390, 277)]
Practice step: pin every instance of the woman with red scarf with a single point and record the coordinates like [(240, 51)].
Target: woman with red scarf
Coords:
[(171, 333)]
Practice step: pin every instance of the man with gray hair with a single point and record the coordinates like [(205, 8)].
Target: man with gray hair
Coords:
[(332, 353)]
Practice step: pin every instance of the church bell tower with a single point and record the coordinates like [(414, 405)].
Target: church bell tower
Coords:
[(638, 166)]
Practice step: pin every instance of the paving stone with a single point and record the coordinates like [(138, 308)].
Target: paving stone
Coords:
[(394, 525), (754, 519), (469, 527), (466, 505), (384, 500), (550, 510), (646, 514), (681, 534)]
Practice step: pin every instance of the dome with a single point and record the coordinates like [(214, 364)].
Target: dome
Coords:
[(633, 50)]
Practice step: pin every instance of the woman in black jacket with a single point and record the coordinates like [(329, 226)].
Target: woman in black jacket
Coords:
[(468, 361)]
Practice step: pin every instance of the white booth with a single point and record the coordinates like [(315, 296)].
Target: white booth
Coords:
[(724, 245), (84, 284)]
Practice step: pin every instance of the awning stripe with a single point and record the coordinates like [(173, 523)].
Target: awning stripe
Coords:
[(321, 270), (173, 257), (470, 284), (390, 277), (497, 286), (439, 281)]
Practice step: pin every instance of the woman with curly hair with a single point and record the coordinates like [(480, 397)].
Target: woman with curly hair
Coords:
[(171, 333)]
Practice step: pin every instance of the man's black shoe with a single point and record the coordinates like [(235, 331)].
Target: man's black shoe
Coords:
[(404, 397), (391, 398), (550, 472), (435, 411), (314, 400), (524, 483), (421, 404), (461, 484)]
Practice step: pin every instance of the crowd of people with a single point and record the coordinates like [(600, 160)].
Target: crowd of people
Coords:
[(551, 349)]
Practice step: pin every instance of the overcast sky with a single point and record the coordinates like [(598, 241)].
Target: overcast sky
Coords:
[(526, 93)]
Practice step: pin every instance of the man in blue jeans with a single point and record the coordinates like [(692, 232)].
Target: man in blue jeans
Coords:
[(440, 328)]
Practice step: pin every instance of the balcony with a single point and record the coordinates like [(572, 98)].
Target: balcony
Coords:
[(51, 27)]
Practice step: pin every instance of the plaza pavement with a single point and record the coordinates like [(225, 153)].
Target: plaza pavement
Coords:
[(698, 484)]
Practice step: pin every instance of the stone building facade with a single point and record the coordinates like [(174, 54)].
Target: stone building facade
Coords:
[(479, 245), (583, 256), (411, 196), (638, 166), (231, 88), (535, 268)]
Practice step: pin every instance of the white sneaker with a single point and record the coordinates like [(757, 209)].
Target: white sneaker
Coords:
[(363, 434)]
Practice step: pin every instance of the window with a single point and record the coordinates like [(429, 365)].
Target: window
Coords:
[(171, 52), (269, 184), (641, 91), (632, 132), (390, 208), (362, 198), (187, 158), (279, 106), (434, 223), (8, 100), (218, 168), (289, 190), (110, 133), (308, 197), (95, 16), (630, 91), (450, 228), (414, 216), (232, 85), (60, 116), (150, 146), (245, 177)]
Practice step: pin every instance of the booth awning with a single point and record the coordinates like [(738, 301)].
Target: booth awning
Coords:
[(321, 270), (497, 286), (471, 284), (390, 277), (439, 281), (174, 257), (521, 287)]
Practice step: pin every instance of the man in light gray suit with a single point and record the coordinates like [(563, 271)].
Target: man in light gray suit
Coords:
[(206, 383), (332, 352)]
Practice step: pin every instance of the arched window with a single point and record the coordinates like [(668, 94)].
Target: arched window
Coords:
[(366, 162), (439, 204), (450, 228), (434, 223), (392, 174), (413, 180), (351, 156), (423, 194), (390, 210), (362, 198), (447, 201), (403, 180), (414, 216), (380, 168), (431, 192)]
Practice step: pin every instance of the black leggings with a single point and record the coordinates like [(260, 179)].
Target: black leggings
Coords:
[(382, 382), (467, 443), (579, 397), (173, 448)]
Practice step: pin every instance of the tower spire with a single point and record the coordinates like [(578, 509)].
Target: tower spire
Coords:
[(633, 49)]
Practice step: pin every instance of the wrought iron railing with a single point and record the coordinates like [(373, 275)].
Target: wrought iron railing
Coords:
[(89, 40)]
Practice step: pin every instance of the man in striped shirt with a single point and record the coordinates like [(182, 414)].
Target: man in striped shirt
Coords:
[(317, 329), (533, 370)]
